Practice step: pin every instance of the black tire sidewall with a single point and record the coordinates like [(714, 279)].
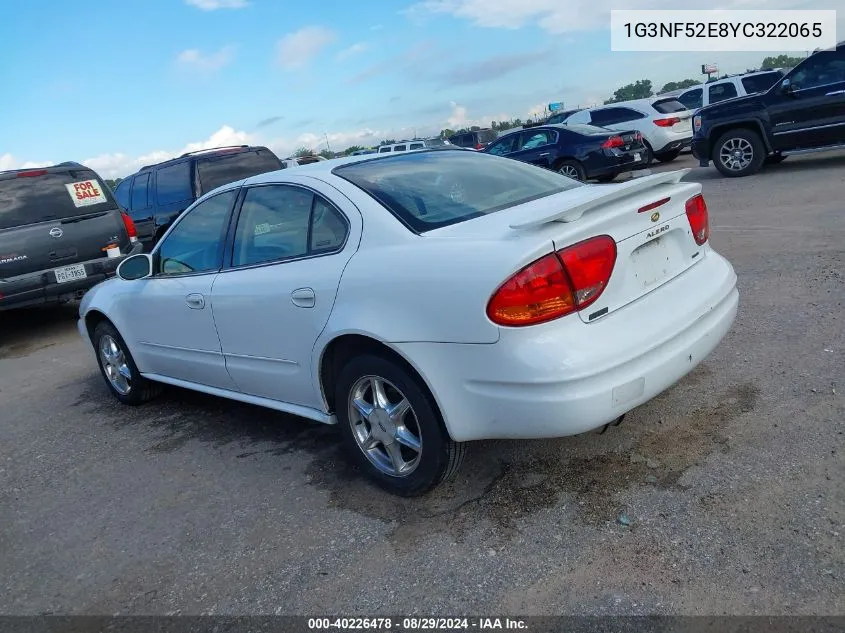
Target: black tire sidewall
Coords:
[(135, 395), (434, 459), (756, 160)]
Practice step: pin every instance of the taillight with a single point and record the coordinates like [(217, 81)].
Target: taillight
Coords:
[(613, 141), (130, 227), (667, 122), (589, 264), (555, 285), (479, 146), (31, 174), (699, 219)]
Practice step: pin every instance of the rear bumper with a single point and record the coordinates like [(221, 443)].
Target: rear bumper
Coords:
[(41, 287), (608, 165), (568, 377)]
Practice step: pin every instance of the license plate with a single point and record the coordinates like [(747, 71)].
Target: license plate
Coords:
[(70, 273), (636, 156), (652, 261)]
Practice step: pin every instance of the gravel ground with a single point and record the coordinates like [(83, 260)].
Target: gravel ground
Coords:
[(731, 480)]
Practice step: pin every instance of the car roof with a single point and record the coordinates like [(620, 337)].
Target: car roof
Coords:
[(213, 151), (60, 167)]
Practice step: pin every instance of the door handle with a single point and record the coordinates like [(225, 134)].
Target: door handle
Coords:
[(303, 297), (544, 154), (835, 92), (195, 301)]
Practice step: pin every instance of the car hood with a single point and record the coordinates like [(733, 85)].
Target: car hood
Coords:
[(732, 106)]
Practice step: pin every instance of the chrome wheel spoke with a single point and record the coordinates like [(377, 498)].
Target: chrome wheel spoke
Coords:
[(394, 452), (362, 406), (115, 366), (124, 371), (406, 438), (379, 396), (397, 411)]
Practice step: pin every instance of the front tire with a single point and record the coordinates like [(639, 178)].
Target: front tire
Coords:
[(738, 153), (392, 429), (118, 367)]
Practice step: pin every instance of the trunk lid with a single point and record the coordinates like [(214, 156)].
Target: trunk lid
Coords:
[(50, 218)]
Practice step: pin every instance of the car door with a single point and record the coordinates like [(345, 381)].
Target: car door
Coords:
[(141, 208), (811, 112), (288, 252), (167, 318), (537, 147)]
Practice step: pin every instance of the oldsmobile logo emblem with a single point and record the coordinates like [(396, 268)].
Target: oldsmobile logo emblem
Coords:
[(56, 232), (655, 216)]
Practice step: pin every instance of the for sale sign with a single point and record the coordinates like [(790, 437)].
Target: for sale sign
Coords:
[(86, 193)]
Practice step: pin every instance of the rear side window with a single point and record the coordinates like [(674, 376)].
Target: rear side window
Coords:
[(121, 194), (399, 148), (668, 106), (416, 146), (612, 116), (429, 190), (140, 192), (173, 183), (383, 150), (39, 196), (692, 99), (761, 82), (720, 92), (216, 171)]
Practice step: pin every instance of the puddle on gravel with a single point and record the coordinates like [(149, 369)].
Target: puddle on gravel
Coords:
[(503, 493), (21, 350)]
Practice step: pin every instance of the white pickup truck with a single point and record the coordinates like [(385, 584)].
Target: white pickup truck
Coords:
[(727, 88)]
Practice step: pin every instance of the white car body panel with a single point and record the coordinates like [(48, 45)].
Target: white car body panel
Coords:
[(424, 296)]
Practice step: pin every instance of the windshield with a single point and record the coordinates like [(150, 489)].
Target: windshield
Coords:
[(38, 196), (219, 170), (429, 190)]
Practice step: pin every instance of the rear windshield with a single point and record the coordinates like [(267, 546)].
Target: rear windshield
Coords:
[(667, 106), (429, 190), (39, 196), (486, 136), (216, 171)]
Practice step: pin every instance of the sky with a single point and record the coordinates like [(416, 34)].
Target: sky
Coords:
[(117, 85)]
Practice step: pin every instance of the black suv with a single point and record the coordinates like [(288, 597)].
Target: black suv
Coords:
[(802, 113), (477, 139), (157, 194), (61, 232)]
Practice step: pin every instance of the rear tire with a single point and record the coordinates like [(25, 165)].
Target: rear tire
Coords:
[(667, 157), (118, 367), (572, 169), (739, 152), (405, 449)]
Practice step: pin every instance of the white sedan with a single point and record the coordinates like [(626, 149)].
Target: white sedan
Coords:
[(422, 301)]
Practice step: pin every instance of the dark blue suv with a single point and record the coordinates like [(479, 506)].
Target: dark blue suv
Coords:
[(157, 194)]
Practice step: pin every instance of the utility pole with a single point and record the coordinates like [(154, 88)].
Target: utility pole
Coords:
[(328, 147)]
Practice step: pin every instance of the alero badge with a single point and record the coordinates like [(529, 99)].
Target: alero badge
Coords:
[(655, 216)]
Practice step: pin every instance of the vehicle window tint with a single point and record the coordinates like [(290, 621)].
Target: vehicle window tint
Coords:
[(383, 150), (216, 171), (692, 99), (505, 145), (140, 191), (194, 243), (720, 92), (486, 136), (761, 82), (328, 228), (416, 146), (38, 196), (612, 116), (537, 139), (173, 183), (121, 194), (399, 148), (820, 69), (273, 225), (429, 190), (667, 106)]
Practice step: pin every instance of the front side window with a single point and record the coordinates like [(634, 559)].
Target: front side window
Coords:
[(429, 190), (416, 146), (384, 150), (720, 92), (761, 82), (820, 69), (173, 183), (505, 145), (194, 244), (612, 116), (537, 139), (280, 222), (692, 99), (139, 192)]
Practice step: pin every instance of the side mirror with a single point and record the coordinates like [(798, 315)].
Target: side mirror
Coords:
[(786, 86), (135, 267)]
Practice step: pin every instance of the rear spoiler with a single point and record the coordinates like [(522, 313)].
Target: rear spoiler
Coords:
[(614, 192)]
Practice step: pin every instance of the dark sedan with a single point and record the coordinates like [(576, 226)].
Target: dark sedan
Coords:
[(582, 152)]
